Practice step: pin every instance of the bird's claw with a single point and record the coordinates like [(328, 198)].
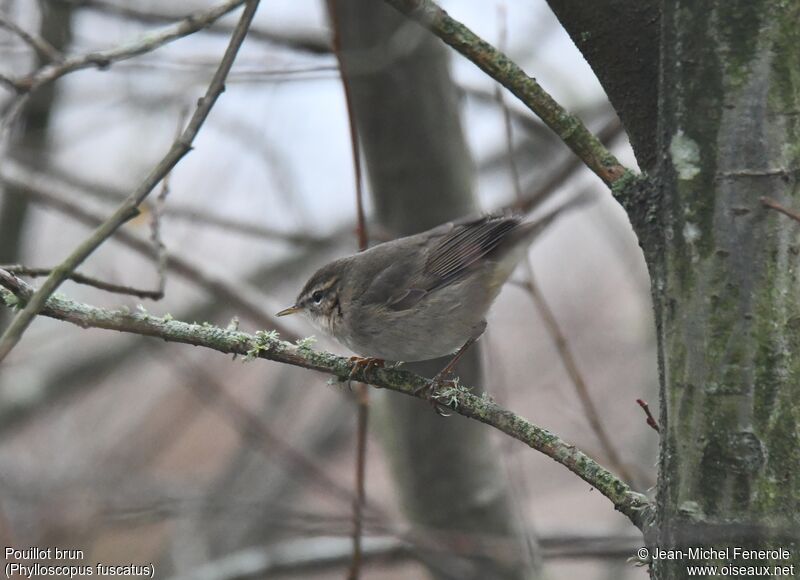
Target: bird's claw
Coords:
[(365, 364), (429, 391)]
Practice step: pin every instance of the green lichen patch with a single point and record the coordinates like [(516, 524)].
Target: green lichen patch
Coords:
[(10, 300), (304, 344), (685, 155), (263, 341)]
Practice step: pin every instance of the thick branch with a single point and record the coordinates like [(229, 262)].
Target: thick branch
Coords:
[(502, 69), (128, 209), (266, 345)]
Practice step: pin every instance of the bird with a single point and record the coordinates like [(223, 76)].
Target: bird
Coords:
[(422, 296)]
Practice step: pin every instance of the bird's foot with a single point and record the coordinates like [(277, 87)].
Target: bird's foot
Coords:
[(441, 379), (430, 390), (364, 364)]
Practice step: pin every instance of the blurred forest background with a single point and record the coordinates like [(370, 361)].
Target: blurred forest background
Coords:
[(136, 450)]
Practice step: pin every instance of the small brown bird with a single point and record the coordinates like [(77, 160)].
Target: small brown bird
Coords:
[(422, 296)]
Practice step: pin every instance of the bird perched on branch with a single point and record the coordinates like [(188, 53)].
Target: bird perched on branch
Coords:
[(422, 296)]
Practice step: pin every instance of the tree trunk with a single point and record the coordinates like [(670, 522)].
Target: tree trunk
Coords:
[(725, 283), (407, 112)]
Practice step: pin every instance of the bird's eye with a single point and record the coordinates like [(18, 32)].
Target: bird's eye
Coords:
[(317, 296)]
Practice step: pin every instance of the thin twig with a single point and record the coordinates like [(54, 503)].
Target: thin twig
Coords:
[(266, 345), (311, 43), (502, 69), (14, 85), (156, 211), (362, 394), (361, 233), (159, 248), (239, 297), (543, 189), (240, 227), (772, 204), (501, 101), (44, 49), (12, 111), (651, 421), (128, 209), (102, 59), (79, 278), (530, 124), (78, 185)]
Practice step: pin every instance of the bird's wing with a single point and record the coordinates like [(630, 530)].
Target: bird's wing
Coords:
[(454, 254), (462, 244)]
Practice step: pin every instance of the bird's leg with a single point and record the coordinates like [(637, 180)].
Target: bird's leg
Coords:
[(441, 377), (365, 363)]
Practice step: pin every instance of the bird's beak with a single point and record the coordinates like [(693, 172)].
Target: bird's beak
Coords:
[(291, 310)]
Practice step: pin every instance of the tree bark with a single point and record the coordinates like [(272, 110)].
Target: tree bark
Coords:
[(725, 282), (421, 175)]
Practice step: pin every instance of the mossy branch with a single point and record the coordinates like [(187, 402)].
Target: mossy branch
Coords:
[(506, 72), (15, 293)]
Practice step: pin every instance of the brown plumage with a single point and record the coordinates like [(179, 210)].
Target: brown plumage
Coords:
[(421, 296)]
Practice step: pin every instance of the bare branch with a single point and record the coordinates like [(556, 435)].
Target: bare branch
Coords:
[(16, 86), (157, 210), (44, 49), (103, 59), (313, 44), (79, 278), (544, 189), (25, 177), (267, 346), (128, 209), (772, 204), (361, 488), (249, 303), (363, 241), (502, 69), (651, 421)]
